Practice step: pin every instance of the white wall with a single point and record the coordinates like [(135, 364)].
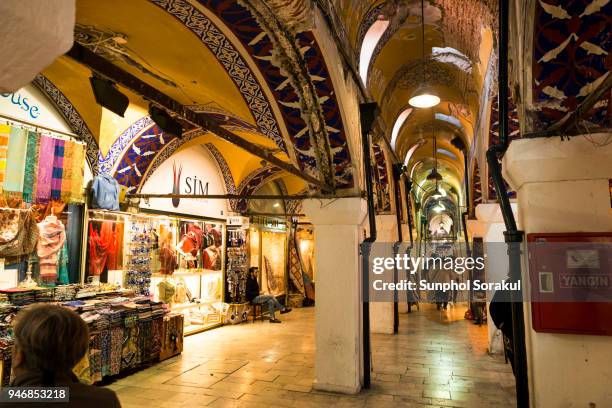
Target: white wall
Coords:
[(197, 163), (563, 187)]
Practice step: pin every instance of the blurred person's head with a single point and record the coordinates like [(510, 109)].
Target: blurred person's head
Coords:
[(49, 340), (253, 272)]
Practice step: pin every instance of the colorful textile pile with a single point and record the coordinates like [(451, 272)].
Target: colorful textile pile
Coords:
[(40, 168)]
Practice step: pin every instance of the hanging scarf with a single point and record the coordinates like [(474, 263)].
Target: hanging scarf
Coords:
[(58, 169), (76, 186), (52, 236), (45, 168), (15, 160), (100, 246), (5, 131), (29, 173), (69, 167)]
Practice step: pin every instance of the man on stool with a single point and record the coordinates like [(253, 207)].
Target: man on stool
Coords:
[(253, 296)]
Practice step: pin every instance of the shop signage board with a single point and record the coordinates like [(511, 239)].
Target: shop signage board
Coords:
[(237, 221), (30, 105), (189, 171)]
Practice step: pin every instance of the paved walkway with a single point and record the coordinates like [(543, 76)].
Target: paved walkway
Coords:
[(437, 360)]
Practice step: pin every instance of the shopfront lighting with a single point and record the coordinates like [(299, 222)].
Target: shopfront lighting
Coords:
[(276, 205), (166, 122), (108, 96)]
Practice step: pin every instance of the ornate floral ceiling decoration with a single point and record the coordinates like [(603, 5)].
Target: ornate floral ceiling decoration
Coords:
[(571, 57)]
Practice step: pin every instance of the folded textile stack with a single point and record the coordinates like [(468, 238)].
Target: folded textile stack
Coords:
[(157, 309), (144, 311), (65, 292), (20, 297), (44, 294)]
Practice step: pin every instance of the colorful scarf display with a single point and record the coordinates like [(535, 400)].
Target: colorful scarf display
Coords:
[(39, 168), (15, 160)]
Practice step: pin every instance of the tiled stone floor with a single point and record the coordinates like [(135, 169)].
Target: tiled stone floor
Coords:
[(437, 360)]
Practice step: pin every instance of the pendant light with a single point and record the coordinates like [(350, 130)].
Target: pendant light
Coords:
[(423, 96), (434, 175)]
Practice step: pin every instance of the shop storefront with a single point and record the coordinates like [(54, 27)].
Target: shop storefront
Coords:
[(54, 249), (142, 274)]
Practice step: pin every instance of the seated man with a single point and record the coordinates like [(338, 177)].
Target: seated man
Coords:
[(253, 296), (49, 341)]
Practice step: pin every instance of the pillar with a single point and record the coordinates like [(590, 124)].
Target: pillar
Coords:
[(563, 186), (338, 339), (381, 313), (491, 227)]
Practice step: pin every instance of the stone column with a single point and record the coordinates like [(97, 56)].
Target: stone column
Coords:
[(381, 313), (338, 339), (563, 186), (491, 226)]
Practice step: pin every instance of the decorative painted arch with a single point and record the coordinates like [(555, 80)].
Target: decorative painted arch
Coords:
[(72, 117), (251, 183), (310, 142)]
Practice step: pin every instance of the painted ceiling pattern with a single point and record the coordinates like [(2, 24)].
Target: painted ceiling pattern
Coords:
[(260, 46), (231, 60), (137, 151), (571, 56)]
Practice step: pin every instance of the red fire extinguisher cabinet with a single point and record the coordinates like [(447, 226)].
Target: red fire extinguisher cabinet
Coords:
[(571, 282)]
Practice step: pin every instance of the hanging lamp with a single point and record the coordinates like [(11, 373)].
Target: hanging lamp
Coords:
[(434, 175), (423, 96)]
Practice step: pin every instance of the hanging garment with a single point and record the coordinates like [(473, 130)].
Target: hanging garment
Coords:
[(101, 243), (68, 171), (78, 175), (5, 132), (24, 240), (52, 236), (168, 260), (15, 161), (58, 169), (45, 169), (115, 250), (29, 172), (212, 258), (62, 265), (105, 193)]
